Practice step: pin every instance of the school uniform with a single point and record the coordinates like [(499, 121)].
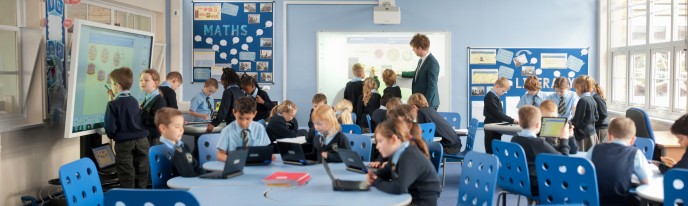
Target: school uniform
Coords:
[(367, 109), (393, 90), (263, 110), (601, 124), (123, 124), (310, 120), (494, 113), (584, 122), (564, 103), (533, 146), (224, 113), (450, 142), (152, 103), (353, 91), (168, 94), (410, 171), (379, 116), (333, 143), (279, 128), (533, 100), (683, 163), (615, 163), (231, 137), (202, 104), (183, 163)]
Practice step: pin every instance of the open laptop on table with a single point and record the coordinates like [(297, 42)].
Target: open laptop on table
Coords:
[(293, 153), (345, 185), (259, 155), (234, 166), (353, 161), (105, 159)]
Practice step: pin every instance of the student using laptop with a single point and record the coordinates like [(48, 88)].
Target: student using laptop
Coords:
[(408, 170), (331, 138), (242, 132), (201, 107), (170, 122)]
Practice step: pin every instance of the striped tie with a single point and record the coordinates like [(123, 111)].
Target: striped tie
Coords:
[(244, 135), (534, 100), (562, 107)]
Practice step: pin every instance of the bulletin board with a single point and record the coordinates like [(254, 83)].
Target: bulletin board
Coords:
[(485, 65), (233, 34)]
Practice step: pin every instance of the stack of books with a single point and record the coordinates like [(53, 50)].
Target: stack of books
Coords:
[(287, 179)]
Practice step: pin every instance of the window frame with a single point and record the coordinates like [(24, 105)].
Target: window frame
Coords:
[(21, 114)]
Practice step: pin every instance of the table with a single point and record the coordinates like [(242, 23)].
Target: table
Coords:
[(236, 195), (372, 137), (199, 129), (461, 132), (670, 143), (503, 128), (653, 191)]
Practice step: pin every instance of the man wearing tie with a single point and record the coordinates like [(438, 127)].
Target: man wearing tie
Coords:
[(425, 76)]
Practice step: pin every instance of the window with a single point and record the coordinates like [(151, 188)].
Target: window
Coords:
[(647, 56), (10, 98), (105, 13)]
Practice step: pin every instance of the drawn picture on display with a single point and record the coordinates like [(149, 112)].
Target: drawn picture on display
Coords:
[(249, 7), (262, 66), (245, 66), (477, 91), (266, 54)]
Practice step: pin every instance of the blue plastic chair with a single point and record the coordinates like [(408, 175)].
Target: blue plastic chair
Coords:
[(149, 197), (564, 179), (675, 186), (454, 119), (643, 127), (514, 176), (262, 122), (646, 145), (160, 159), (207, 147), (80, 183), (427, 131), (370, 125), (436, 152), (351, 129), (361, 144), (470, 139), (478, 179)]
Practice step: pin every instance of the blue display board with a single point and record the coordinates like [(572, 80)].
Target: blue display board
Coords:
[(485, 65), (234, 34)]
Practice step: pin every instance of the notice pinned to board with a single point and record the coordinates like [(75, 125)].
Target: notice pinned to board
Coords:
[(505, 71), (483, 56), (504, 56), (204, 58), (574, 63), (484, 76), (477, 110), (230, 9), (553, 60), (207, 11)]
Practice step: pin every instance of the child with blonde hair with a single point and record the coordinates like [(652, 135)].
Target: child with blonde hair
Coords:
[(330, 138), (282, 123), (343, 111), (368, 103)]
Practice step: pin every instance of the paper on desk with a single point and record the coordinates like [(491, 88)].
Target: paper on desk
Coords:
[(511, 109), (296, 140)]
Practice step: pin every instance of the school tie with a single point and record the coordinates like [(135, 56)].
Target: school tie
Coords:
[(561, 108), (178, 148), (420, 61), (534, 100), (244, 135), (207, 101), (144, 102)]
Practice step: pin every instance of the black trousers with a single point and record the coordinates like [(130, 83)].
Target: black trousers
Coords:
[(131, 161), (489, 136)]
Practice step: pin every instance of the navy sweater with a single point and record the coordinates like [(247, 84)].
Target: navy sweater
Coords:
[(148, 115), (122, 121), (353, 92), (601, 111), (585, 117), (493, 111), (265, 108), (413, 174), (224, 113), (394, 91), (169, 95), (614, 168)]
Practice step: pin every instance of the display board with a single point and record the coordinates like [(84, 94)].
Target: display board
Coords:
[(339, 51), (233, 34), (97, 49), (485, 65)]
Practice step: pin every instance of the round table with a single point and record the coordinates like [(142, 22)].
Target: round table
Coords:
[(234, 195), (503, 128), (199, 129), (653, 191)]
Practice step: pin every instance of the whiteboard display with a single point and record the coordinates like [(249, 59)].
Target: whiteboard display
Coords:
[(339, 51), (97, 50)]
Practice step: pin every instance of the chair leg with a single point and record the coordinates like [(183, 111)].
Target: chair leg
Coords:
[(444, 167)]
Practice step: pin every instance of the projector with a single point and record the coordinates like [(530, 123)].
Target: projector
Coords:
[(386, 15)]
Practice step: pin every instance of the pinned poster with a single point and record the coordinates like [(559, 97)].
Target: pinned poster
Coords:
[(207, 11), (230, 9), (204, 58), (504, 56), (505, 71), (484, 76), (553, 60), (247, 56), (483, 56), (574, 63)]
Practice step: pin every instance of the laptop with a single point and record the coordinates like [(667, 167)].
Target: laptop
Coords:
[(259, 155), (345, 185), (552, 126), (105, 158), (293, 153), (216, 102), (234, 166), (352, 161)]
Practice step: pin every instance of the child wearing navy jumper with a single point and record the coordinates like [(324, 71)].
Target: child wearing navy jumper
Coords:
[(152, 102), (331, 139), (123, 124), (170, 122), (230, 81), (586, 114), (493, 111), (283, 122), (168, 87), (264, 104)]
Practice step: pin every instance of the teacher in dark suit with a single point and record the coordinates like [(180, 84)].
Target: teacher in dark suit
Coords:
[(426, 74)]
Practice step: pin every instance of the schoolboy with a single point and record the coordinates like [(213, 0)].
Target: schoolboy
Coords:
[(168, 88), (152, 102), (354, 88), (242, 132), (533, 95), (170, 122), (124, 126), (201, 106), (493, 111), (390, 79), (319, 99), (450, 142), (616, 161), (549, 109)]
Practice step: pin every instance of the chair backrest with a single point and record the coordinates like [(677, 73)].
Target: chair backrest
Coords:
[(478, 179), (472, 132), (436, 153), (564, 179), (80, 183), (262, 122), (361, 144), (149, 197), (353, 117), (643, 127), (370, 126), (513, 168), (351, 129), (207, 147), (454, 119), (675, 186), (160, 160), (427, 131), (646, 145)]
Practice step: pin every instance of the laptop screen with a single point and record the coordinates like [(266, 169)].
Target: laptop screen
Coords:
[(217, 104), (551, 126), (104, 156)]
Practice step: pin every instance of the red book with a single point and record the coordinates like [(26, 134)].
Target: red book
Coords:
[(287, 179)]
